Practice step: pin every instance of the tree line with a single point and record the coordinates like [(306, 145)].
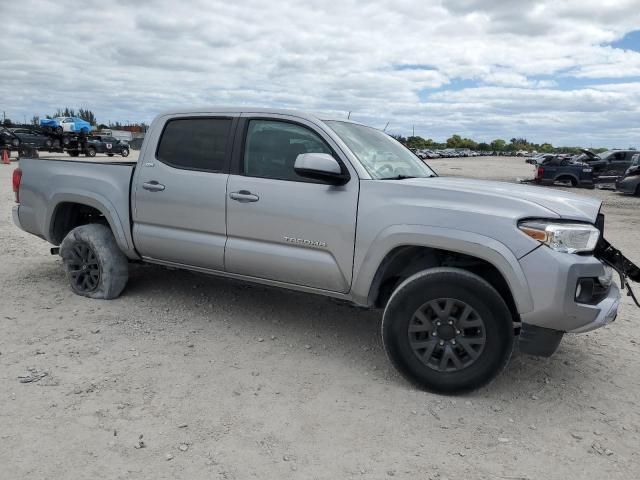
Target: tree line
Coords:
[(497, 145), (85, 114)]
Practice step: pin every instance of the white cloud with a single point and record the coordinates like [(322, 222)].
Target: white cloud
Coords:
[(526, 66)]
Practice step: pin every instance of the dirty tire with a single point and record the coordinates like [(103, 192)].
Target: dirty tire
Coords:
[(566, 180), (467, 289), (104, 256)]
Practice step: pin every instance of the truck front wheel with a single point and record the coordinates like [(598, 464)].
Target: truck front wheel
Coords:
[(447, 330), (94, 264)]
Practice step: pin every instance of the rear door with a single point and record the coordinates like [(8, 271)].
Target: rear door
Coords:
[(179, 191), (281, 226)]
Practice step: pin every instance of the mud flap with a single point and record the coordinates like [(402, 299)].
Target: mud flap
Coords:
[(627, 270)]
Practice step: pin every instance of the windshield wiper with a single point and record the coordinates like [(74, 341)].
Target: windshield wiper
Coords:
[(403, 177), (397, 177)]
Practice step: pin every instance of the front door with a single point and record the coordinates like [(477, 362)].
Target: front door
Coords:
[(180, 193), (281, 226)]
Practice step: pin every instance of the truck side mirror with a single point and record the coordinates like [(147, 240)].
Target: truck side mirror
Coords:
[(320, 166)]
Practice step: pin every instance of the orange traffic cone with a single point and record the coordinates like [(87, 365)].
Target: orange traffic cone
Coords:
[(5, 156)]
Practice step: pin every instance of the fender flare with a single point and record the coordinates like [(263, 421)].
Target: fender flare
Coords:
[(91, 199), (473, 244)]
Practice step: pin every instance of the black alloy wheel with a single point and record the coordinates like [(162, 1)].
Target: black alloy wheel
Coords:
[(84, 268), (447, 334)]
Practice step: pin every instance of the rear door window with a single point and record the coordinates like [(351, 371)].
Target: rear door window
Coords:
[(195, 144)]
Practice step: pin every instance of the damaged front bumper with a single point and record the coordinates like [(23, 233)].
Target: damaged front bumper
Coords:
[(572, 294)]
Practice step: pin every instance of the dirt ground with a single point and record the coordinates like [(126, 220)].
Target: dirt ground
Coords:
[(188, 376)]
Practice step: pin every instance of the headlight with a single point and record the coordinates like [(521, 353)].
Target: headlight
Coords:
[(562, 237)]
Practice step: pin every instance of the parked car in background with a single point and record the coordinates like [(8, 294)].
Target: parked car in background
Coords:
[(630, 181), (109, 145), (558, 170), (65, 125), (32, 138), (609, 165), (7, 138)]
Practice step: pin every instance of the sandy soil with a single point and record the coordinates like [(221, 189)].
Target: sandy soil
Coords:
[(187, 376)]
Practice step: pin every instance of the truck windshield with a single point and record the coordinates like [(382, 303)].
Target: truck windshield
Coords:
[(382, 156)]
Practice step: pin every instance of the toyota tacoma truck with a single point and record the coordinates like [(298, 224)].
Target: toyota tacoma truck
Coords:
[(463, 269)]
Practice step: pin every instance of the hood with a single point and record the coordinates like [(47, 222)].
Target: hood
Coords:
[(525, 200), (590, 154)]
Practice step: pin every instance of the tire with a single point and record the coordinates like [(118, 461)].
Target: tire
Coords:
[(94, 264), (110, 154), (15, 142), (637, 194), (91, 152), (73, 153), (48, 143), (566, 179), (59, 130), (125, 152), (486, 331)]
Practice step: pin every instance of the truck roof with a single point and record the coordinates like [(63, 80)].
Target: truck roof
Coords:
[(279, 111)]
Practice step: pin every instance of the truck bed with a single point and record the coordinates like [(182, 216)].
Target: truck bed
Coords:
[(48, 183)]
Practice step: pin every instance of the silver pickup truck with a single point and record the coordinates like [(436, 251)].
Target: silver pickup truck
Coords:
[(462, 268)]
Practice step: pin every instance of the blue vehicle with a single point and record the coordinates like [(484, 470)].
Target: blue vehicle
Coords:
[(65, 125), (564, 171)]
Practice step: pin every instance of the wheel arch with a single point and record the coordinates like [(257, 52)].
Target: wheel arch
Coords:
[(570, 176), (70, 210), (401, 252)]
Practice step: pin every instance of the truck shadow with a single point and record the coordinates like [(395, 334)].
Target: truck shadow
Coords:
[(349, 333), (327, 327)]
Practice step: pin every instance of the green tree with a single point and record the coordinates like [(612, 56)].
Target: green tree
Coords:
[(87, 115), (455, 141), (545, 148), (498, 145)]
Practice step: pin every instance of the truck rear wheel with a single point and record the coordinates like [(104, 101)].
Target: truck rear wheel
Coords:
[(447, 330), (94, 264), (566, 180)]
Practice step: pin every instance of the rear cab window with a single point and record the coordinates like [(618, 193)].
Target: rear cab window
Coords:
[(200, 143)]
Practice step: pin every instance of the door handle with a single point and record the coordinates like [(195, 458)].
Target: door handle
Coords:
[(244, 196), (153, 186)]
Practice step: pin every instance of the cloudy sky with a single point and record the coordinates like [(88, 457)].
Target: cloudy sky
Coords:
[(557, 70)]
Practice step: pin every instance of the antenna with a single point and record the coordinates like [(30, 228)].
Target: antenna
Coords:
[(349, 115), (385, 127)]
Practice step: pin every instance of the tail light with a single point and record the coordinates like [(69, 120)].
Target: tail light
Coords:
[(17, 178), (540, 173)]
